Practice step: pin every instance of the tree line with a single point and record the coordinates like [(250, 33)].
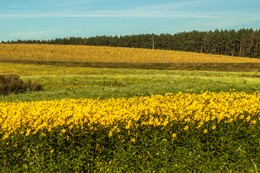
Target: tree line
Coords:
[(243, 42)]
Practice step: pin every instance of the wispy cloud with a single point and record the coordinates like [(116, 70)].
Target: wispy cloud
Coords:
[(43, 19), (180, 9), (109, 14), (169, 10)]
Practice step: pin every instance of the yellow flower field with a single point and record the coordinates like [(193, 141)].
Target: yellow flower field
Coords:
[(157, 110), (34, 52)]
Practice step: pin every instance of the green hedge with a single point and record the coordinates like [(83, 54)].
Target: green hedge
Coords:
[(229, 148), (13, 84)]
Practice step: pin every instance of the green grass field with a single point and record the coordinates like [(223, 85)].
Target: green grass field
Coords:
[(81, 82)]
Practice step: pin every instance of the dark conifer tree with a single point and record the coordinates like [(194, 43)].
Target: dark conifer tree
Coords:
[(243, 42)]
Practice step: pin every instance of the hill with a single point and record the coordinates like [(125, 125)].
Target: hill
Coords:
[(242, 42), (101, 56)]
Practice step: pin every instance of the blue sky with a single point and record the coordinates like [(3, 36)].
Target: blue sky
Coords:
[(47, 19)]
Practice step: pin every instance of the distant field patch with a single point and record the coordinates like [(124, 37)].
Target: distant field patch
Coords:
[(70, 53)]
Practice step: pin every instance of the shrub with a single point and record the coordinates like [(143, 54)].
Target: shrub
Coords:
[(13, 84)]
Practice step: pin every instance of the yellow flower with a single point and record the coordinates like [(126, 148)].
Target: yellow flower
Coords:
[(174, 135), (164, 140), (133, 139), (186, 127), (28, 131), (110, 133), (156, 110), (253, 122), (205, 131), (43, 134), (129, 124)]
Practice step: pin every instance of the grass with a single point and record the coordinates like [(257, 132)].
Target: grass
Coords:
[(208, 66), (232, 148), (80, 82)]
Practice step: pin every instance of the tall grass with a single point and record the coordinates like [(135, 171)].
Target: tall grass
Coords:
[(78, 82)]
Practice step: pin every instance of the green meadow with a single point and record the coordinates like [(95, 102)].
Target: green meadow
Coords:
[(84, 82)]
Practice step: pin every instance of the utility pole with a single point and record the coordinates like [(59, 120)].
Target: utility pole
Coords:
[(153, 41)]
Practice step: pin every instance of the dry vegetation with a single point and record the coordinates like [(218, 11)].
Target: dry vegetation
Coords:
[(69, 53)]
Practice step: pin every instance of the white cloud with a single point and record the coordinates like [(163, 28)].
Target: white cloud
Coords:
[(108, 14), (74, 9), (191, 9)]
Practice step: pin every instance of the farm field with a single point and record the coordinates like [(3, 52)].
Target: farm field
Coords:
[(114, 57), (133, 119), (70, 53), (78, 82)]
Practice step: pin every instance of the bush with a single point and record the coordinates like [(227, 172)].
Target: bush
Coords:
[(13, 84)]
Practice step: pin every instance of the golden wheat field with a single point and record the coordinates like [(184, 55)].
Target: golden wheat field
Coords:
[(72, 53)]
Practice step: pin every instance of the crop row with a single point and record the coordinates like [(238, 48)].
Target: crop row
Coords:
[(201, 111)]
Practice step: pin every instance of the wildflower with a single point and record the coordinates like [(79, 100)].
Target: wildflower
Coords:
[(110, 133), (63, 130), (253, 122), (156, 110), (43, 134), (186, 128), (164, 140), (174, 135), (205, 131), (133, 140), (28, 131)]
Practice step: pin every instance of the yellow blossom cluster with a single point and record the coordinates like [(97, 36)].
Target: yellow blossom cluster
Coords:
[(156, 110), (37, 52)]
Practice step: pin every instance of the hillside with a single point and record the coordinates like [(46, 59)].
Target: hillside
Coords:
[(242, 42), (37, 52)]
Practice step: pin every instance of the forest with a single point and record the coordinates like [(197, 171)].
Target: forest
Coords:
[(242, 42)]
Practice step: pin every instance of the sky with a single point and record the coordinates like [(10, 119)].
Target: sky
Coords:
[(50, 19)]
